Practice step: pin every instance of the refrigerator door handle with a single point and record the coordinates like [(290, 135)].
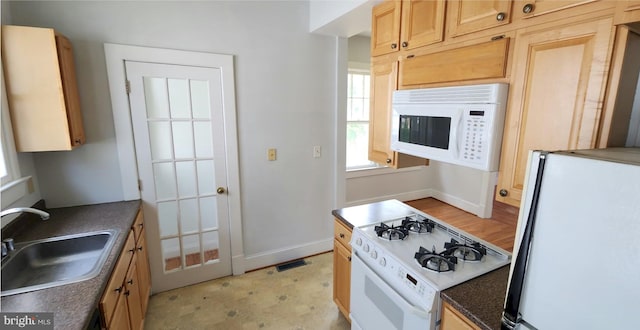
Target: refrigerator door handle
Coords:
[(510, 314)]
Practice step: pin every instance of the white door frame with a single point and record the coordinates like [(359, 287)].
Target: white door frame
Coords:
[(115, 56)]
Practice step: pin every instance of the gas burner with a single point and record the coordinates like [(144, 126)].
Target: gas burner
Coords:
[(437, 262), (418, 226), (391, 233), (473, 252)]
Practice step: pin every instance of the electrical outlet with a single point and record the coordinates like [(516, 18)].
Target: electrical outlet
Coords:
[(317, 151), (271, 154)]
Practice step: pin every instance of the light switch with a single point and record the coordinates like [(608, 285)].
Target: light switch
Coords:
[(317, 151), (271, 154)]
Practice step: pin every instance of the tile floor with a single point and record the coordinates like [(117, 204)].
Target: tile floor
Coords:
[(297, 298)]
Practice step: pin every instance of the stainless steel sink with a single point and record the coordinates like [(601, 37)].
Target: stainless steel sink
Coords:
[(55, 261)]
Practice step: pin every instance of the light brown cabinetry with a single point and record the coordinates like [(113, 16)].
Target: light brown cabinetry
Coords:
[(544, 113), (41, 89), (384, 77), (125, 300), (534, 8), (454, 320), (342, 267), (467, 16), (401, 25), (627, 11)]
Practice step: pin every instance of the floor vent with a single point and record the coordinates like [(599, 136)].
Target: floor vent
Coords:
[(291, 264)]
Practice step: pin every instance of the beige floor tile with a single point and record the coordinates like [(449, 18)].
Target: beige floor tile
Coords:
[(297, 298)]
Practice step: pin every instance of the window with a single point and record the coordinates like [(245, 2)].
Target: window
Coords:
[(358, 120)]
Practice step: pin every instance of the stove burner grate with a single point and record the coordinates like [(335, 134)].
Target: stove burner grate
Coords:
[(391, 233), (418, 226), (437, 262), (473, 252)]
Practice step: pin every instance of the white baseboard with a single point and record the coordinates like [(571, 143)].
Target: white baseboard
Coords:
[(405, 196), (274, 257), (479, 210)]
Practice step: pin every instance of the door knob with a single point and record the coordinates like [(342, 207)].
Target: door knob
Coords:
[(221, 190)]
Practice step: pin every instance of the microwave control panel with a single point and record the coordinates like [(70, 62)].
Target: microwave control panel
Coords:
[(474, 135)]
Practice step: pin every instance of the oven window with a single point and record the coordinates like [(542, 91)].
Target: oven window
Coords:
[(425, 131)]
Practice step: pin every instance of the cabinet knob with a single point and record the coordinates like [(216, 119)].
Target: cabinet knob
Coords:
[(528, 8), (140, 248), (503, 192), (77, 141), (341, 235), (388, 160), (349, 257), (405, 44), (394, 46), (127, 293), (500, 17)]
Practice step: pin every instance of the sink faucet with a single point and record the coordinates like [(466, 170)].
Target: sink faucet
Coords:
[(44, 215)]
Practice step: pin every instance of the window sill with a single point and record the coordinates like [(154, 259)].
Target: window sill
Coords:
[(379, 171), (14, 190)]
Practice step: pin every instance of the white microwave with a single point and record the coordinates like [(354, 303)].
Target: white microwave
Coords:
[(460, 125)]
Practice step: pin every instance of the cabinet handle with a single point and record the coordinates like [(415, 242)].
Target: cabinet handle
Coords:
[(528, 8), (349, 257), (118, 290), (500, 17), (405, 44), (394, 46), (140, 248), (341, 235), (132, 250), (77, 141), (127, 293), (130, 281), (504, 192), (388, 160)]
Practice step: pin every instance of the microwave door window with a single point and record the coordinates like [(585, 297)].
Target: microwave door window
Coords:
[(425, 130)]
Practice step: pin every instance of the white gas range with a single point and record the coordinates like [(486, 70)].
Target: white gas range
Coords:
[(399, 266)]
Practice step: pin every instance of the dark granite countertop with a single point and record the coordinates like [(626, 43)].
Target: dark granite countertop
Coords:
[(73, 304), (362, 215), (480, 299)]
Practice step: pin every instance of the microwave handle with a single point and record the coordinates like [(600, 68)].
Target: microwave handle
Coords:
[(459, 134)]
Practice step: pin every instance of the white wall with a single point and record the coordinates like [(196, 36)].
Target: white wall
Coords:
[(286, 97), (343, 18)]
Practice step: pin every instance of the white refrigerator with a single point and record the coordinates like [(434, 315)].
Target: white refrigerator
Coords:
[(576, 261)]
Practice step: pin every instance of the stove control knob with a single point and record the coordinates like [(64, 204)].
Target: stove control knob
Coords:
[(374, 254), (383, 262), (366, 248), (358, 241)]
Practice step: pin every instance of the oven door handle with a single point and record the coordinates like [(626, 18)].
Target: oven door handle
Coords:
[(388, 290)]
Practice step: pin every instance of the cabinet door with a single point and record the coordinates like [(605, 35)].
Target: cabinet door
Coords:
[(422, 23), (70, 88), (132, 294), (342, 277), (533, 8), (144, 276), (466, 16), (555, 98), (385, 28), (120, 319), (453, 320)]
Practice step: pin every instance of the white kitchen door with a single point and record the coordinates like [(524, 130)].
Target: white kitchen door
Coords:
[(178, 127)]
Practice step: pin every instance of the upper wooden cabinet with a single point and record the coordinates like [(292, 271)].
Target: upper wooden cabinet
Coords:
[(384, 77), (402, 25), (41, 89), (544, 113), (534, 8), (467, 16), (627, 11)]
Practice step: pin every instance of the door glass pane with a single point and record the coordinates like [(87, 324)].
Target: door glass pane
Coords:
[(209, 213), (156, 98), (171, 254), (191, 250), (204, 141), (165, 180), (168, 218), (179, 98), (182, 139), (189, 216), (206, 178), (210, 244), (200, 99), (160, 139), (186, 174)]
